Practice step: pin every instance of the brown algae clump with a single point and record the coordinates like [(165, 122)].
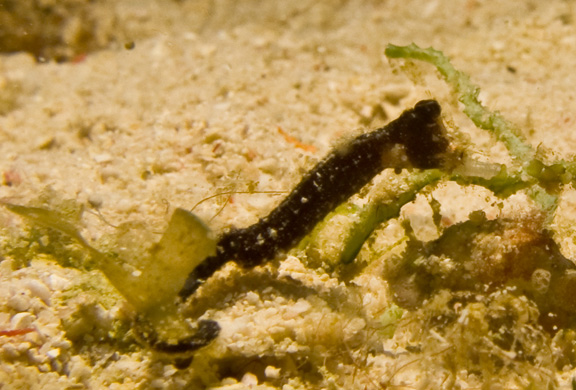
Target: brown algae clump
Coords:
[(489, 298), (481, 256)]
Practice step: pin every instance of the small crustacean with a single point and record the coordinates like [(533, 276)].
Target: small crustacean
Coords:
[(416, 139)]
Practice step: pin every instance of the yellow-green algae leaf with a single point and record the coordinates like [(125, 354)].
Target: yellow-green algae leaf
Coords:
[(150, 281), (154, 278), (48, 218)]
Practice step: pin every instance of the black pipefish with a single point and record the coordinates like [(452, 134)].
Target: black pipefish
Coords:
[(416, 139)]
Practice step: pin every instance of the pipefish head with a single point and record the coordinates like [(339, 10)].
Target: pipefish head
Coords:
[(424, 136)]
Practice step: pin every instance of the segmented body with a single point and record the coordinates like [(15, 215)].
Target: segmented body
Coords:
[(416, 139)]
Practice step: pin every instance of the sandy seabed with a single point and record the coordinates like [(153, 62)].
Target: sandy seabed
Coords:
[(130, 109)]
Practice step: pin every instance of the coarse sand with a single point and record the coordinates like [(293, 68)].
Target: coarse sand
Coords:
[(117, 112)]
